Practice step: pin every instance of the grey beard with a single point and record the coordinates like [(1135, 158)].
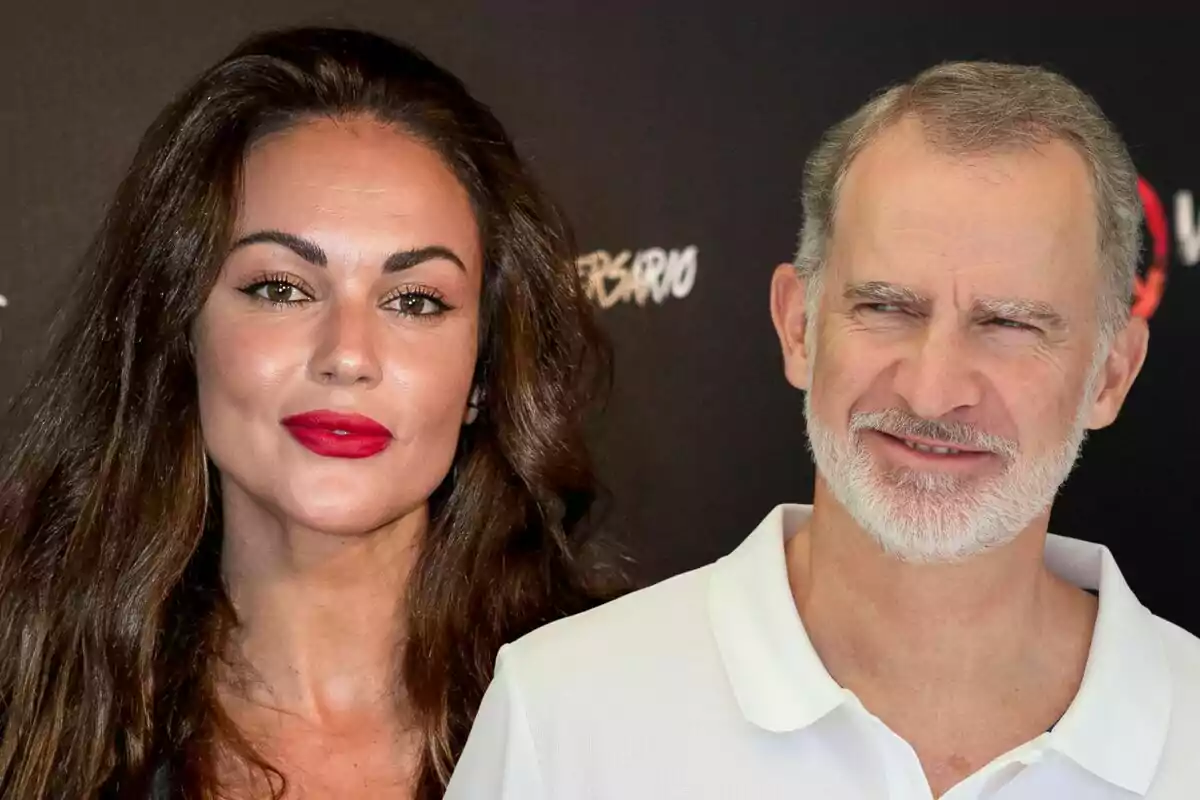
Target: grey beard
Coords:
[(926, 517)]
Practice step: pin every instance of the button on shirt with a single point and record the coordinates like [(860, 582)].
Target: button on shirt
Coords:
[(707, 687)]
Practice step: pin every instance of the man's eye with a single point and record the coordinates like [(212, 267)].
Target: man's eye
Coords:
[(1013, 324)]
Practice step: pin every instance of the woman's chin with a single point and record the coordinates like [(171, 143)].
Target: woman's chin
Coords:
[(342, 506), (350, 516)]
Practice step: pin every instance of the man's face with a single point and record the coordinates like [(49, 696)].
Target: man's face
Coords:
[(953, 360)]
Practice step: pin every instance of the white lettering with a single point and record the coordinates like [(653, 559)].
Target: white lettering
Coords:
[(3, 301), (651, 274), (1187, 229)]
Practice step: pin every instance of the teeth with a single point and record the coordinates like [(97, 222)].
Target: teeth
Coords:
[(340, 433), (924, 448)]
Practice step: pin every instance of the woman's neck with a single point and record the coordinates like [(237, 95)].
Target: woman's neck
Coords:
[(320, 621)]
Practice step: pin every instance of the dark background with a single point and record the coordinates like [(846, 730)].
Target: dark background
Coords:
[(657, 125)]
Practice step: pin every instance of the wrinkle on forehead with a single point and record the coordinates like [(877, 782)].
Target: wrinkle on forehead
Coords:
[(1010, 225)]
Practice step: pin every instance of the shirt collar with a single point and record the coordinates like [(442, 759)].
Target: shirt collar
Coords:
[(1115, 727), (777, 676)]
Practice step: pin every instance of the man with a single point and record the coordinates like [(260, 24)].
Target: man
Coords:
[(958, 317)]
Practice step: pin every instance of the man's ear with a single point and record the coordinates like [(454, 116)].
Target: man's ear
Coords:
[(1121, 366), (790, 315)]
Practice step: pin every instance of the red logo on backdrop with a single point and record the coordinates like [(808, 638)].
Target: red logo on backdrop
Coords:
[(1148, 288)]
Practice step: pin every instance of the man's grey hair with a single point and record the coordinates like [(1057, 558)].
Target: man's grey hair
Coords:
[(969, 108)]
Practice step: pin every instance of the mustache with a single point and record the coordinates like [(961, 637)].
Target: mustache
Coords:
[(899, 423)]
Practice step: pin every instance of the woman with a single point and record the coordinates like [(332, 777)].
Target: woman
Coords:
[(309, 448)]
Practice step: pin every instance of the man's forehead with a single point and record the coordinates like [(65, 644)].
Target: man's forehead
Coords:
[(1022, 225), (900, 179)]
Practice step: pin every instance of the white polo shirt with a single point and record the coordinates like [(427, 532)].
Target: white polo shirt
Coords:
[(706, 687)]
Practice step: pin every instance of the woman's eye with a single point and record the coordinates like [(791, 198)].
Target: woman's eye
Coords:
[(277, 292), (418, 304)]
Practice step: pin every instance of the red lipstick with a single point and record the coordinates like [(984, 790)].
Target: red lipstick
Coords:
[(337, 435)]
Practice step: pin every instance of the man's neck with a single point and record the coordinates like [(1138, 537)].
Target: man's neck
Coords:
[(975, 656)]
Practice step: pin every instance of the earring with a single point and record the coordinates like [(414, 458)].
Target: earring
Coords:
[(473, 405)]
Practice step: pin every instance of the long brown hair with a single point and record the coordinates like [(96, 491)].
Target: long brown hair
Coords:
[(112, 608)]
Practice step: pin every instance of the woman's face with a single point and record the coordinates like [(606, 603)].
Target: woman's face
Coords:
[(335, 355)]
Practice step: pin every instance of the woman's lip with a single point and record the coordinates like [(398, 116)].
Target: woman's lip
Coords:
[(337, 421)]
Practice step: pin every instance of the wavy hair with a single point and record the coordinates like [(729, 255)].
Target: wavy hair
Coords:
[(113, 613)]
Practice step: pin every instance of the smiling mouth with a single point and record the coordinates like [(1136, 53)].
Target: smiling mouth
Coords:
[(930, 448), (936, 450)]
